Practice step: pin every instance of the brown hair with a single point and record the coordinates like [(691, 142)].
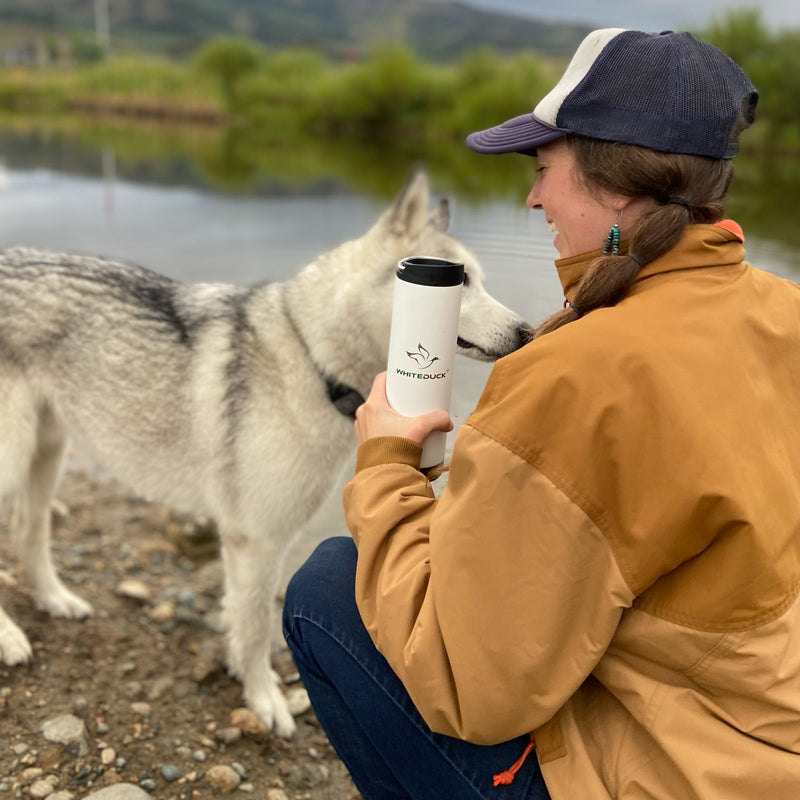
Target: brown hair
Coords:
[(635, 171)]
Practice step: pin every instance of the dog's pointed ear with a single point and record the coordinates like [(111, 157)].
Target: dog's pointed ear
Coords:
[(440, 216), (409, 213)]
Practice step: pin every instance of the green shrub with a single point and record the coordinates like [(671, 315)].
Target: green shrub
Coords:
[(286, 83), (229, 59), (392, 92)]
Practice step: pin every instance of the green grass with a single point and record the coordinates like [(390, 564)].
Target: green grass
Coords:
[(128, 84)]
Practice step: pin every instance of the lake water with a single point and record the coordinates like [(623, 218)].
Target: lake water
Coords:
[(195, 232)]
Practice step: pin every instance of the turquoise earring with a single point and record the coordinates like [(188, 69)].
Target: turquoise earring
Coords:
[(612, 242)]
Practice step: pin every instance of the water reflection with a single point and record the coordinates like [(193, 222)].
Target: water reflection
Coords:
[(109, 162), (259, 161)]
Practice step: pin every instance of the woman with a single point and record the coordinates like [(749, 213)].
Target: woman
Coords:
[(613, 566)]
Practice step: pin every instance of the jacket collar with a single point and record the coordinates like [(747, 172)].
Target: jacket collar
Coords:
[(700, 246)]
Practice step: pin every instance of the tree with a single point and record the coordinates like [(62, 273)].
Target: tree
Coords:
[(229, 58)]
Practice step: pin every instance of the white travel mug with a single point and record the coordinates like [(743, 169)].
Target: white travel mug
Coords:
[(422, 344)]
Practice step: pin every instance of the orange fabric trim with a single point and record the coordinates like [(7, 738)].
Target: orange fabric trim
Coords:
[(733, 227)]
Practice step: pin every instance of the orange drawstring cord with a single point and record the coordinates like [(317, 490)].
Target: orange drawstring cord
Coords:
[(507, 776)]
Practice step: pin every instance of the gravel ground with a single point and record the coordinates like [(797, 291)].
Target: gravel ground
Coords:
[(135, 700)]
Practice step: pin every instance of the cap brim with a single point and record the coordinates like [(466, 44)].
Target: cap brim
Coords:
[(523, 134)]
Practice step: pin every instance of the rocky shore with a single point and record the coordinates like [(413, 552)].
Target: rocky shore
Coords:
[(134, 702)]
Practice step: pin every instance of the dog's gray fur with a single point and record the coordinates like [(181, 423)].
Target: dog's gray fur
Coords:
[(209, 398)]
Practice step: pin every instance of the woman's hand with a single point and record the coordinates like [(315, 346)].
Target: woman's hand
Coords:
[(377, 418)]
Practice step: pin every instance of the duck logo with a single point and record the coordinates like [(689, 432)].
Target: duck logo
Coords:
[(422, 357)]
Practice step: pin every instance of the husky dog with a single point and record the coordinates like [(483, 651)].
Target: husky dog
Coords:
[(234, 403)]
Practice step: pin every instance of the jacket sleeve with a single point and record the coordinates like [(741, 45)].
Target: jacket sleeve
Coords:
[(492, 603)]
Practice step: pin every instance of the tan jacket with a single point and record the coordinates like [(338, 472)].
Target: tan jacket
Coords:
[(615, 560)]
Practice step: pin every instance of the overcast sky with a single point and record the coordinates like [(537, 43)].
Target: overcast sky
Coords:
[(651, 15)]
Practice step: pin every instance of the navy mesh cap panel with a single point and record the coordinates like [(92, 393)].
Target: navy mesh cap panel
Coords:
[(670, 92)]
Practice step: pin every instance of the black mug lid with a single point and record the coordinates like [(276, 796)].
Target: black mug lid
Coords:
[(430, 271)]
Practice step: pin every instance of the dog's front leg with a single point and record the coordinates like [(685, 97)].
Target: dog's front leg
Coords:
[(31, 523), (251, 578), (49, 592)]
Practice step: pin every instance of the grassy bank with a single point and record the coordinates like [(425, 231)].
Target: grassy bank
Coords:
[(281, 94), (130, 86)]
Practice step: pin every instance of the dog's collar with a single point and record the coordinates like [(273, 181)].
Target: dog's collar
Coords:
[(345, 398)]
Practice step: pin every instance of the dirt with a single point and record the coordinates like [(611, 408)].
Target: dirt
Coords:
[(145, 673)]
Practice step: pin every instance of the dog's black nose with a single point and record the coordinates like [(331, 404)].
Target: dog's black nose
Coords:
[(524, 334)]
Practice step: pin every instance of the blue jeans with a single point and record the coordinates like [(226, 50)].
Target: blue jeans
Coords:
[(364, 708)]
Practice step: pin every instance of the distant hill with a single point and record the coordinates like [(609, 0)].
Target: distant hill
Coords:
[(343, 28)]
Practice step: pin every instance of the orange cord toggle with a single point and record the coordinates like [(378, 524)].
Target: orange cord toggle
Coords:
[(507, 776)]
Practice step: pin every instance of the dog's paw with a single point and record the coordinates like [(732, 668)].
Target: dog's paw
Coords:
[(269, 702), (14, 645), (63, 603)]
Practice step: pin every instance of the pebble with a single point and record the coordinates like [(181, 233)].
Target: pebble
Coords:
[(69, 731), (239, 770), (228, 735), (224, 778), (169, 772), (134, 590), (205, 741), (83, 775), (142, 709), (30, 775), (79, 705), (190, 618), (248, 721), (51, 759), (163, 612), (119, 791), (297, 700), (41, 789)]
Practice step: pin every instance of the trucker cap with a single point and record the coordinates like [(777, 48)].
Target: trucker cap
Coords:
[(666, 91)]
